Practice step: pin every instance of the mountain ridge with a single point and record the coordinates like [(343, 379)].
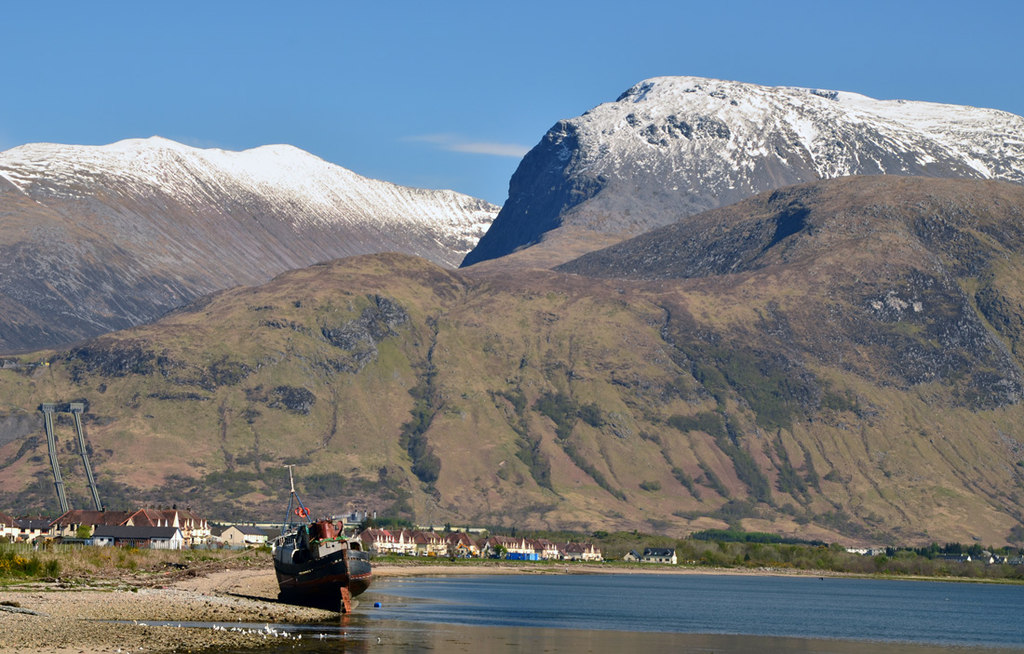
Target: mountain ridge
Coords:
[(766, 397), (99, 238), (671, 147)]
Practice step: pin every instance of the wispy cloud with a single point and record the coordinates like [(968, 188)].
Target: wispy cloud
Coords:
[(456, 143)]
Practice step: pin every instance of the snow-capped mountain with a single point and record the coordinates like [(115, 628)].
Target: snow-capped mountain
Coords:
[(96, 238), (671, 147)]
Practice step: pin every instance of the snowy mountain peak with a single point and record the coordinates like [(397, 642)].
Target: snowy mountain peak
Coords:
[(280, 174), (104, 237), (670, 147)]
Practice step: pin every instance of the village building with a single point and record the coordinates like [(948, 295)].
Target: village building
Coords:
[(355, 518), (659, 555), (382, 541), (515, 549), (376, 541), (8, 528), (866, 551), (429, 544), (243, 536), (156, 538), (70, 523), (461, 546), (195, 530), (581, 552), (33, 529), (405, 543), (546, 550)]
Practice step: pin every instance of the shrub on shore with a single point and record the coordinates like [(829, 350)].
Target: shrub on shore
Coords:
[(51, 560), (13, 564)]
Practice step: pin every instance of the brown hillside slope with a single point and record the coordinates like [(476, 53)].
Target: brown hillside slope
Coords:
[(858, 385)]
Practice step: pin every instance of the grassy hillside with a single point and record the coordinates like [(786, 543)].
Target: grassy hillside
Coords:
[(776, 398)]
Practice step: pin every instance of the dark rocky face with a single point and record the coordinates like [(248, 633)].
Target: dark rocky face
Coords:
[(888, 258), (541, 191)]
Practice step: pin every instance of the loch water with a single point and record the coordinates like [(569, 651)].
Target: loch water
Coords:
[(684, 613)]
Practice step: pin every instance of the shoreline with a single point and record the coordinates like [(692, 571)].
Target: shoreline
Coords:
[(114, 615), (426, 568)]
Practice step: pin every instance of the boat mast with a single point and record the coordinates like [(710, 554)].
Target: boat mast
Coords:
[(294, 503)]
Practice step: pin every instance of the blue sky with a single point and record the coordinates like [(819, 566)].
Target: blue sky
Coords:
[(451, 94)]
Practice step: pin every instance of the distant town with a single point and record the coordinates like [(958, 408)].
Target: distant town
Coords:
[(176, 529), (180, 529)]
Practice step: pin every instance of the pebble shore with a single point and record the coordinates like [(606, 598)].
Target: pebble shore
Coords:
[(50, 618)]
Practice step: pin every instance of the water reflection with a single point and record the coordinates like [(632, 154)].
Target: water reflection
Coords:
[(360, 635), (699, 614)]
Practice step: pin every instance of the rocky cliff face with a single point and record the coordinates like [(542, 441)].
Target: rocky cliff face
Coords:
[(101, 238), (907, 270), (672, 147)]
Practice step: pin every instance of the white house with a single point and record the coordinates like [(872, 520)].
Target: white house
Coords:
[(659, 555), (155, 538), (8, 528), (244, 536), (546, 550), (581, 552), (383, 541), (429, 543)]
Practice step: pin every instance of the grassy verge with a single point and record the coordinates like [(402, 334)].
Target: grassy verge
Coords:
[(21, 563)]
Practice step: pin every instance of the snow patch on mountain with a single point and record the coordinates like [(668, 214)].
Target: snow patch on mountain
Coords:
[(279, 179), (670, 147)]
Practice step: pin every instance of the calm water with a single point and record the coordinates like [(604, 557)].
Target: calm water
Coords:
[(683, 614), (810, 608)]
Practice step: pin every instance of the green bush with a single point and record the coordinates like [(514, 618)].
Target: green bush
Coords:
[(592, 415), (425, 463), (14, 564), (562, 411), (709, 422)]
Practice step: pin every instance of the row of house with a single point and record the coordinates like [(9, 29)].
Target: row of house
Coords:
[(22, 529), (159, 528), (986, 557), (459, 544)]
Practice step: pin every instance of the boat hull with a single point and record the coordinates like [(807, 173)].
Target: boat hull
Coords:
[(305, 575), (325, 576)]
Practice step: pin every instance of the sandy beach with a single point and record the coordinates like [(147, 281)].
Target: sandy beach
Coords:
[(48, 617)]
